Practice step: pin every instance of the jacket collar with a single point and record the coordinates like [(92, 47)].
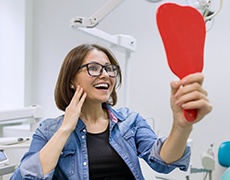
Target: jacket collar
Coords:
[(114, 116)]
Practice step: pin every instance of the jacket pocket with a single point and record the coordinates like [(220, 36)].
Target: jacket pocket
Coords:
[(129, 136), (67, 162)]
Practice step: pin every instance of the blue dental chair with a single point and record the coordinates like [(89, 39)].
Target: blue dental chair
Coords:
[(224, 159)]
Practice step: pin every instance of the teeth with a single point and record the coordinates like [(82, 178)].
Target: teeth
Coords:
[(102, 85)]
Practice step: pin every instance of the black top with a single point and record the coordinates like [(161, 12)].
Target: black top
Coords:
[(104, 162)]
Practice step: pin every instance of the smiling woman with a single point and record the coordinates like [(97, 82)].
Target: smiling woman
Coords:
[(93, 140)]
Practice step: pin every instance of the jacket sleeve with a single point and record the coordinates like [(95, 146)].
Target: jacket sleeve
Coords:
[(155, 160), (30, 169), (30, 166), (149, 146)]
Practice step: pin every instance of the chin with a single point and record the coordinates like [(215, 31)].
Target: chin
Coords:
[(104, 100), (100, 99)]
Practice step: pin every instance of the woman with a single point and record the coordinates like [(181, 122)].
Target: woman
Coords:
[(94, 141)]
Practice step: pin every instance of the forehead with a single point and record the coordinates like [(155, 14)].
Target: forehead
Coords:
[(96, 56)]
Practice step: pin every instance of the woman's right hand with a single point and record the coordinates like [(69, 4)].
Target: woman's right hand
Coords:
[(73, 110)]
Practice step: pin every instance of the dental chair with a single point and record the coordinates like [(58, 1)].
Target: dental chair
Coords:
[(224, 158)]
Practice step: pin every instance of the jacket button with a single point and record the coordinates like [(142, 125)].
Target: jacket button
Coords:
[(84, 163)]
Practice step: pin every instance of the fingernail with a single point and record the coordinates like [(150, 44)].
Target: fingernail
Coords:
[(184, 81), (177, 103), (175, 82)]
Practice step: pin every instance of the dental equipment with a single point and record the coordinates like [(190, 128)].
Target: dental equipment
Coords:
[(224, 154), (208, 163), (97, 16), (34, 111), (13, 140), (87, 24), (17, 116), (3, 157), (204, 7), (94, 20), (4, 167), (201, 5)]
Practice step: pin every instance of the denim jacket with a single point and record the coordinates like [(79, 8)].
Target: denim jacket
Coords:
[(130, 136)]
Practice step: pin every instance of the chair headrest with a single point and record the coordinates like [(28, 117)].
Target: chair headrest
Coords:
[(224, 154)]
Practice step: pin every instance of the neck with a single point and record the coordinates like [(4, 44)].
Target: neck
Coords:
[(92, 113), (95, 118)]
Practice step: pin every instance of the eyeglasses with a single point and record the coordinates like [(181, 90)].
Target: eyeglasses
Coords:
[(95, 69)]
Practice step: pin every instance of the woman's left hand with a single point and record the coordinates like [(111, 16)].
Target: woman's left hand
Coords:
[(188, 93)]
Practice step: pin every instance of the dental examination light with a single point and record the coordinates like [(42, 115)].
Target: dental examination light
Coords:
[(204, 7), (93, 20)]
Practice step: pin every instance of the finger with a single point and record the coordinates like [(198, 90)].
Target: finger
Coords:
[(190, 88), (195, 103), (191, 96), (78, 93), (199, 104), (82, 100), (192, 78), (175, 85), (203, 107)]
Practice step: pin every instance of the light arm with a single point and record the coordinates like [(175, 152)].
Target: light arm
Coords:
[(92, 21)]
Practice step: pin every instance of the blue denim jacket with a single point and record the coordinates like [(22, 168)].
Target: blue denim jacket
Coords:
[(130, 136)]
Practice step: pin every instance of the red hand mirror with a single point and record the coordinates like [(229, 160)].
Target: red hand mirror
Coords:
[(182, 29)]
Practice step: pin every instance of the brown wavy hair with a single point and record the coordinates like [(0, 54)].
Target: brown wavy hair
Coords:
[(63, 92)]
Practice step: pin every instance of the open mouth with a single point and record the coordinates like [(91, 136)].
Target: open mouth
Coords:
[(103, 86)]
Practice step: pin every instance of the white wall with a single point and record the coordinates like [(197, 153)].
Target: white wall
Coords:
[(150, 75), (15, 66), (12, 53)]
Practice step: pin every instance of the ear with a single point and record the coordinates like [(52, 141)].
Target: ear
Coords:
[(72, 86)]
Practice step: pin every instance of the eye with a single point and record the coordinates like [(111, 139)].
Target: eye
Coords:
[(109, 68), (93, 67)]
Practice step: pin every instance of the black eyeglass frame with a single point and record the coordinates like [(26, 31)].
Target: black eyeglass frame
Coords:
[(115, 67)]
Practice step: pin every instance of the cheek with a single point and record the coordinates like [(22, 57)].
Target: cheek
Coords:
[(81, 81), (85, 83), (113, 83)]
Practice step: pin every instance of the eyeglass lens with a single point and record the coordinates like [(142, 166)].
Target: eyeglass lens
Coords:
[(96, 69)]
